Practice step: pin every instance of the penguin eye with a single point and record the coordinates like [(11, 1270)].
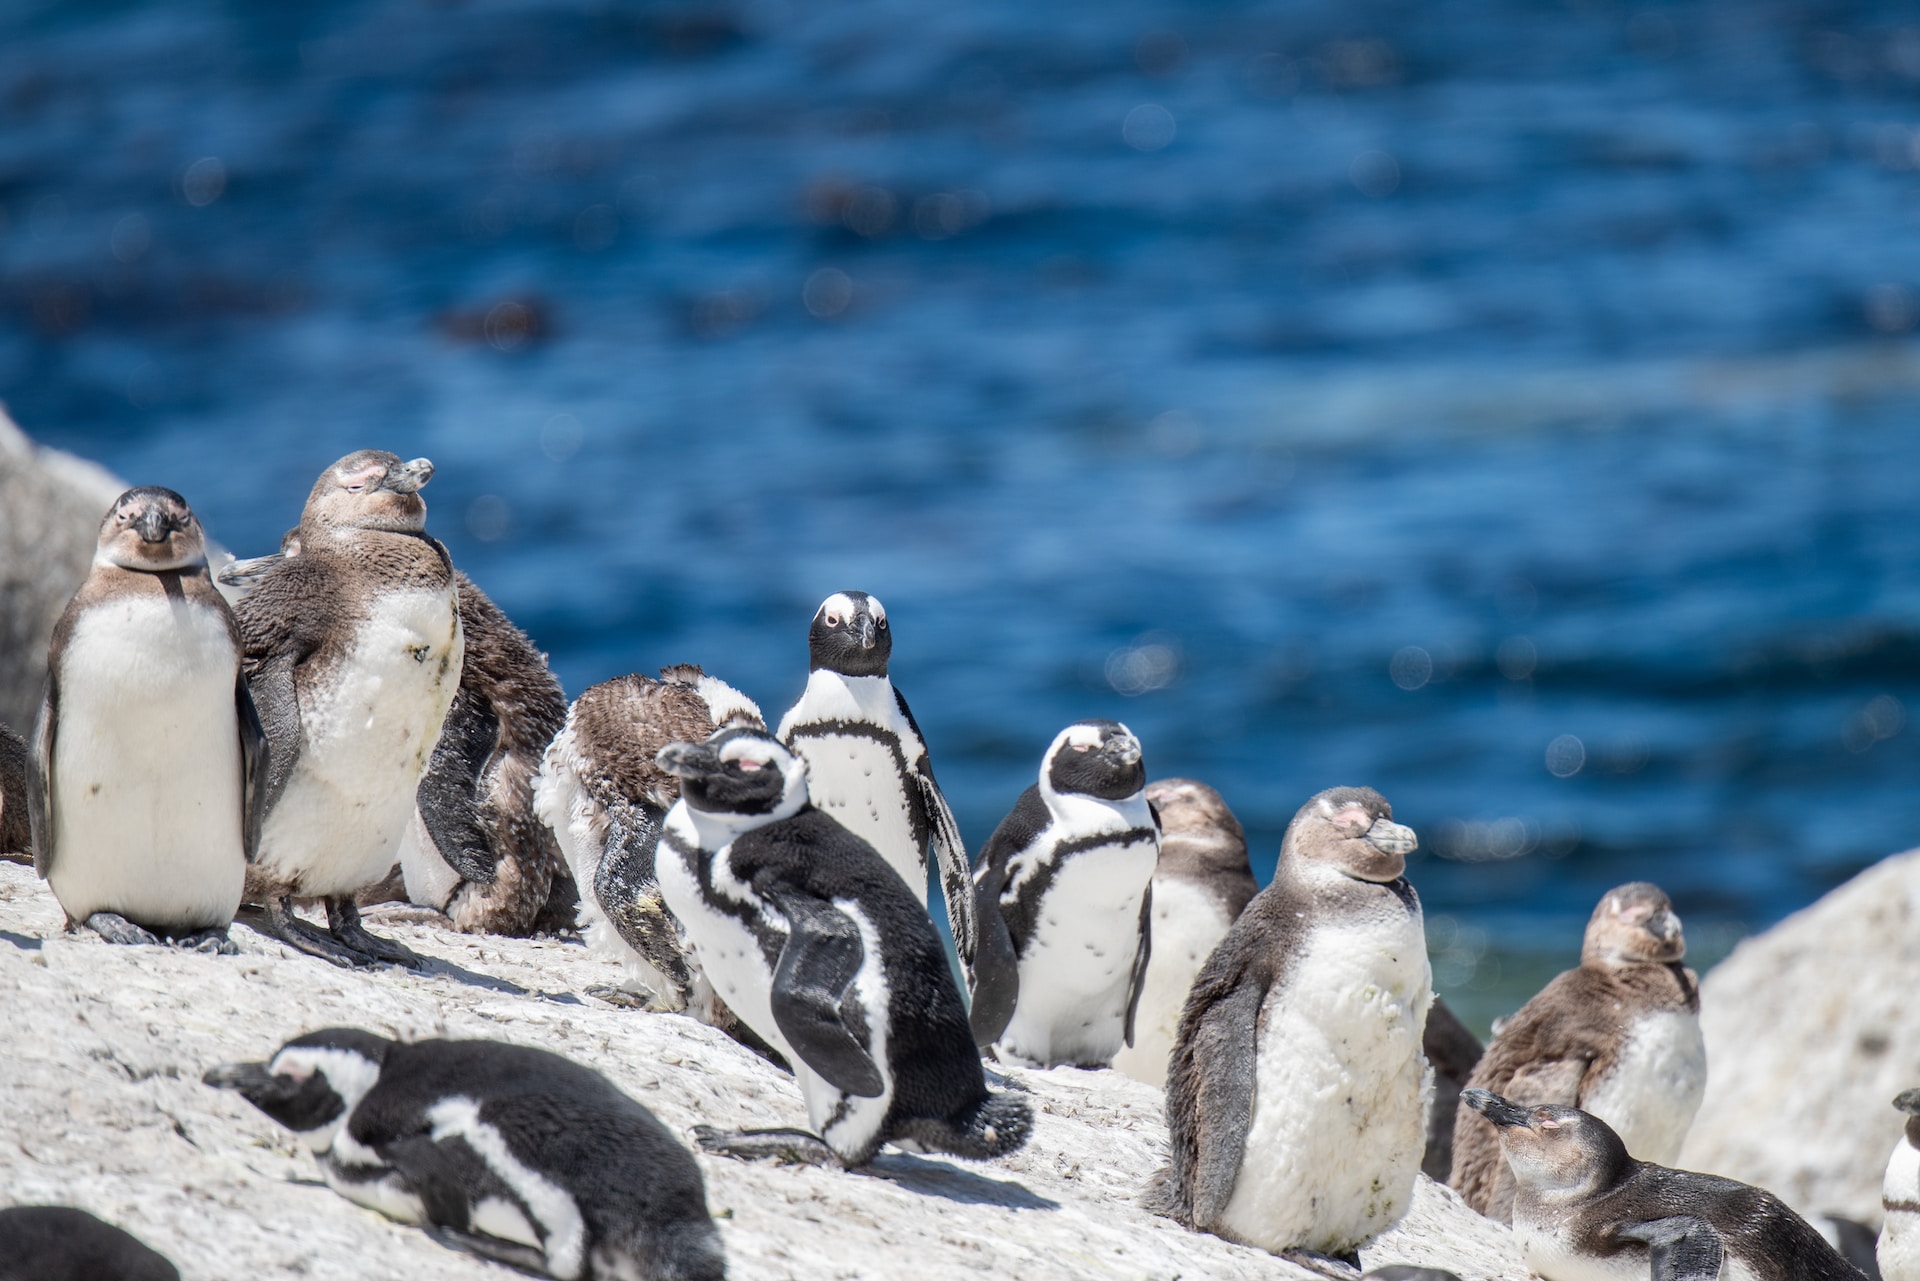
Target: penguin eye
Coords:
[(1081, 747), (833, 620), (748, 764), (881, 623)]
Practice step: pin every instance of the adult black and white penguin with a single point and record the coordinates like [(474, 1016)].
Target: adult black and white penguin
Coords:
[(1618, 1036), (61, 1243), (1064, 903), (1584, 1210), (815, 943), (1200, 883), (1297, 1089), (1899, 1248), (354, 652), (505, 1151), (867, 763), (148, 755), (604, 796), (16, 770)]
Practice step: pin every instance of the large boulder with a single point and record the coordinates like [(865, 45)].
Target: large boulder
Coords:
[(1810, 1033), (50, 509)]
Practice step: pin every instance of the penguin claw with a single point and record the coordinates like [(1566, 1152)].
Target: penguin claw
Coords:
[(1322, 1265), (787, 1147), (210, 942), (343, 923), (115, 928)]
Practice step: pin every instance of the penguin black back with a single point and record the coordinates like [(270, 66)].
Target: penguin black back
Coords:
[(60, 1243)]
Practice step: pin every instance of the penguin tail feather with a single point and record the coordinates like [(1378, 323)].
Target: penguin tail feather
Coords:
[(689, 1250), (996, 1125)]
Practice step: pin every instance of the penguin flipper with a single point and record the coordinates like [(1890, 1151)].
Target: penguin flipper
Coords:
[(40, 784), (448, 791), (277, 703), (821, 959), (522, 1258), (1139, 979), (951, 852), (1682, 1248), (1210, 1087), (996, 965), (254, 767)]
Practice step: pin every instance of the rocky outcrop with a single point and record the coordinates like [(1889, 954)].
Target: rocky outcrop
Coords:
[(1811, 1031), (105, 1110), (50, 509)]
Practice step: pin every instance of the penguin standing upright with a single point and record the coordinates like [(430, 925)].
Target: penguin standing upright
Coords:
[(1584, 1210), (813, 941), (1899, 1249), (504, 1151), (867, 764), (1297, 1090), (149, 755), (16, 769), (1618, 1037), (1200, 883), (354, 653), (604, 797), (1064, 901)]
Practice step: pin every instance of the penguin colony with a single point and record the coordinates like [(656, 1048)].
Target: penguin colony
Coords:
[(354, 720)]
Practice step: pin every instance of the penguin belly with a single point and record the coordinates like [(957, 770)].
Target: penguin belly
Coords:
[(147, 805), (1077, 967), (857, 780), (851, 1125), (1188, 923), (1655, 1087), (1899, 1249), (1340, 1092)]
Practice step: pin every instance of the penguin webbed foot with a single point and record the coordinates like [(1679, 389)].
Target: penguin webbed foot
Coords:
[(115, 928), (277, 921), (624, 998), (522, 1258), (343, 922), (1338, 1267), (785, 1146), (208, 942)]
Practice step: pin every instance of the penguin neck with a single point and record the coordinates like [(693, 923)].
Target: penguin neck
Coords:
[(714, 830), (1083, 813), (833, 695)]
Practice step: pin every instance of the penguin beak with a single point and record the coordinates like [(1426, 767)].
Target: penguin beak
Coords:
[(1908, 1101), (687, 760), (1664, 926), (154, 525), (1390, 837), (868, 632), (1496, 1109), (253, 1081), (409, 478), (1122, 749)]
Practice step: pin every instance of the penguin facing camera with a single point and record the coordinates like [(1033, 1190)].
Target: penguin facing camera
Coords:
[(1583, 1208), (867, 762), (1618, 1037), (60, 1243), (1899, 1248), (149, 759), (816, 944), (1297, 1089), (354, 653), (1064, 905), (504, 1151)]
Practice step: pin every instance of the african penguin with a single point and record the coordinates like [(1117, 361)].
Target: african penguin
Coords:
[(1297, 1090), (604, 797), (1453, 1051), (1064, 900), (1584, 1210), (1899, 1251), (816, 944), (149, 758), (867, 764), (1618, 1037), (504, 1151), (1200, 883), (354, 652), (60, 1243), (16, 768)]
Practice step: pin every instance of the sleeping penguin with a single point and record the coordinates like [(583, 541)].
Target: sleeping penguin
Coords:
[(504, 1151), (819, 947)]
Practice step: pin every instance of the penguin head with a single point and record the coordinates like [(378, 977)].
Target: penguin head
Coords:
[(849, 635), (1094, 758), (371, 489), (1198, 833), (151, 529), (738, 771), (1634, 924), (312, 1083), (1556, 1153), (1350, 832)]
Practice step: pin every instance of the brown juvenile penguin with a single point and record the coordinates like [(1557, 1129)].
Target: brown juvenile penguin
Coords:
[(1618, 1037), (354, 652)]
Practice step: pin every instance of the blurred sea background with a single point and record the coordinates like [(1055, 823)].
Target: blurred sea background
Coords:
[(1510, 405)]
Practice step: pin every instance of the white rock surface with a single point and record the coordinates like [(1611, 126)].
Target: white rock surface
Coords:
[(104, 1109), (1811, 1031)]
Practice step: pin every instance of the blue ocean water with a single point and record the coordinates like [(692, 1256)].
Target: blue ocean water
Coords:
[(1509, 405)]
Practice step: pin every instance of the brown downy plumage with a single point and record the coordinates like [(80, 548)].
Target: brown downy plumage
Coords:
[(1568, 1040)]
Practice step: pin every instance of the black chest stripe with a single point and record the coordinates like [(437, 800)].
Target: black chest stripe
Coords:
[(748, 913), (916, 807)]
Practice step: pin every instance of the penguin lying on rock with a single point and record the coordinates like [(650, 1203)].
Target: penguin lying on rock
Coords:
[(149, 757), (504, 1151), (60, 1243), (1584, 1210), (819, 947), (1618, 1037)]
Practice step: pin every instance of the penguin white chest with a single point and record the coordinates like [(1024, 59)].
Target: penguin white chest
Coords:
[(858, 780), (367, 732), (1548, 1254), (147, 805), (1076, 967), (1340, 1091), (1899, 1250), (1188, 923), (715, 927), (1655, 1087)]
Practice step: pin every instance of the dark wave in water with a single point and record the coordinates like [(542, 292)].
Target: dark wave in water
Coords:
[(1507, 405)]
